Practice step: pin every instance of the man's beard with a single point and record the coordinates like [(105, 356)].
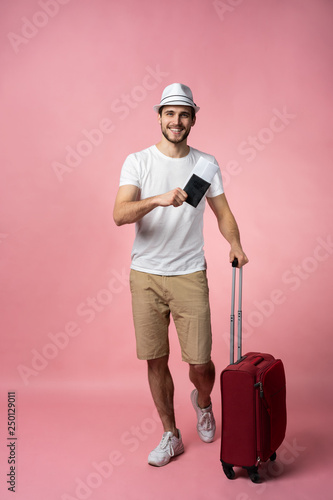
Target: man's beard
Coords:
[(175, 141)]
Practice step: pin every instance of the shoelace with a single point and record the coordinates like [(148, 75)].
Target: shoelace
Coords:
[(206, 420), (166, 444)]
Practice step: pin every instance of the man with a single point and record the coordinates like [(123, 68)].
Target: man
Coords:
[(168, 270)]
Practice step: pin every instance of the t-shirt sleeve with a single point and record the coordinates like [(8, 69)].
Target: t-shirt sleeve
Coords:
[(216, 186), (130, 172)]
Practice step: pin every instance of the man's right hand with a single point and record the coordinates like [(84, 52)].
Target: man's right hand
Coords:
[(128, 209), (175, 197)]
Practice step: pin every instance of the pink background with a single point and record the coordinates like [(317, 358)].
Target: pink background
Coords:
[(79, 79)]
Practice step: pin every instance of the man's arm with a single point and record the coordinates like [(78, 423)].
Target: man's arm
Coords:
[(128, 209), (228, 227)]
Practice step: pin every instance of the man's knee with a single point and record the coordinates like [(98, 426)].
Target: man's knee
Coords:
[(203, 369), (158, 364)]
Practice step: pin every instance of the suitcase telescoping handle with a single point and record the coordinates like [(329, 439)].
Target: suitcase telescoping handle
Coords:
[(232, 315)]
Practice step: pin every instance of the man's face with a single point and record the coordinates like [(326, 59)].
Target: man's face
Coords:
[(176, 123)]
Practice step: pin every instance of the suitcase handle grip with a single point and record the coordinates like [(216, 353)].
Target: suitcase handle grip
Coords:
[(257, 360), (235, 262)]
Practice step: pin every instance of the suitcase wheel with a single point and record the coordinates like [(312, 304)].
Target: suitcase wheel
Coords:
[(273, 457), (228, 470), (253, 474)]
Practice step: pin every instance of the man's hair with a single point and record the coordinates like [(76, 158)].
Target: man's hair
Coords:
[(192, 111)]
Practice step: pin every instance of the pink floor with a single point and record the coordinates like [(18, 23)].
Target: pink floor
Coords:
[(93, 443)]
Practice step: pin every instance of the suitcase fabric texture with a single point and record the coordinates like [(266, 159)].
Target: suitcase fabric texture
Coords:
[(253, 395)]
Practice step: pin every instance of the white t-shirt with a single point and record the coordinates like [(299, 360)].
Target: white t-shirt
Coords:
[(169, 240)]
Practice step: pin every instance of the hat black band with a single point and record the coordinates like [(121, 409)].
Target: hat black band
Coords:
[(182, 98)]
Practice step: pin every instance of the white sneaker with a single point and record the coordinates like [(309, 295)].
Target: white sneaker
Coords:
[(206, 421), (170, 446)]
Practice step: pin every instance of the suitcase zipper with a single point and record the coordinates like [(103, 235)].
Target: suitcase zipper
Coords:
[(264, 404), (261, 392), (260, 376)]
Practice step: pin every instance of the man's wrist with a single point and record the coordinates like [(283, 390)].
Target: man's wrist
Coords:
[(236, 247), (155, 201)]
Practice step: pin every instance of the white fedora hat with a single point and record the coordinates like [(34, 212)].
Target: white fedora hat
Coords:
[(177, 94)]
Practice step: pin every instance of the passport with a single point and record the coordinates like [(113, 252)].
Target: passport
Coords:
[(195, 189), (199, 181)]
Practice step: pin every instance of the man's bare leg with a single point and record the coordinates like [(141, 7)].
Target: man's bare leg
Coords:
[(162, 390), (203, 378)]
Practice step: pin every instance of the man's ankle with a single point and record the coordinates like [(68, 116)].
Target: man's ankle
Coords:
[(204, 403), (174, 431)]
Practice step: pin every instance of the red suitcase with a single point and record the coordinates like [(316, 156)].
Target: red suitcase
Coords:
[(253, 394)]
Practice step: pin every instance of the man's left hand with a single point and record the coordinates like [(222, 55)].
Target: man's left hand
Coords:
[(239, 255)]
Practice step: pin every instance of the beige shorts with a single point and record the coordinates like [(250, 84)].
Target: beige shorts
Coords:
[(186, 297)]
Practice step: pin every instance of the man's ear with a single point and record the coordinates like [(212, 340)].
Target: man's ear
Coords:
[(159, 118), (194, 120)]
